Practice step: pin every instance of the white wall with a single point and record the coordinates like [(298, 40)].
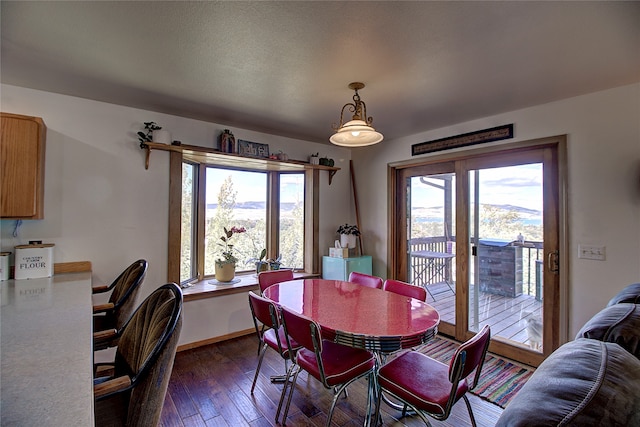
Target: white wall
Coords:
[(603, 131), (102, 205)]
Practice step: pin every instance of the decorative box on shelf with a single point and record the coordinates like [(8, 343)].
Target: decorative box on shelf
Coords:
[(339, 252)]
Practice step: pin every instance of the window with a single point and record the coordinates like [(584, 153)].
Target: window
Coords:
[(270, 204), (235, 199), (291, 229), (187, 235)]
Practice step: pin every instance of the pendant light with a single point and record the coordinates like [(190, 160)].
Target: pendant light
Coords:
[(358, 132)]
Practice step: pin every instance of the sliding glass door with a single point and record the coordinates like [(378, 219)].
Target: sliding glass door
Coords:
[(430, 197), (481, 234)]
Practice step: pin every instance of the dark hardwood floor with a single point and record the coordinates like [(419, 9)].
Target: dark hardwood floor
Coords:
[(210, 386)]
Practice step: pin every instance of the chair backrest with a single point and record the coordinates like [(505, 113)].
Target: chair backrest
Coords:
[(268, 278), (301, 329), (263, 311), (469, 356), (125, 291), (146, 352), (365, 280), (306, 332), (406, 289)]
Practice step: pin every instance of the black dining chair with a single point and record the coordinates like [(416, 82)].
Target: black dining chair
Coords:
[(109, 318), (134, 392)]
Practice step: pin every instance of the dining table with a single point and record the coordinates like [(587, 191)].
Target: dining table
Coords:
[(358, 316)]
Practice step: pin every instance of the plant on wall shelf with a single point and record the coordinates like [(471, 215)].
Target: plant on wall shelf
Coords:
[(147, 137)]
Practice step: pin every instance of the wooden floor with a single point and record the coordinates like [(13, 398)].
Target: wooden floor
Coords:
[(506, 316), (210, 386)]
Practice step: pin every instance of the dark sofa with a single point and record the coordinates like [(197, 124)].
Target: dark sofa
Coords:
[(591, 381)]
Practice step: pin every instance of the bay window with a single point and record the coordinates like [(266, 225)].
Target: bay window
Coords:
[(276, 205)]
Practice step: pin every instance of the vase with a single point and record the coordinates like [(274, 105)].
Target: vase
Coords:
[(227, 142), (161, 136), (261, 266), (225, 272), (348, 241)]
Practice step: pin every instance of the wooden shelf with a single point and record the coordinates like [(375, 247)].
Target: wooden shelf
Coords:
[(209, 156)]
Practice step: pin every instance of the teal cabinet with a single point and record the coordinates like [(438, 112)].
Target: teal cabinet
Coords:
[(340, 268)]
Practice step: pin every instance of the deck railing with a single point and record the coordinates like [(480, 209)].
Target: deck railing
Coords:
[(422, 272)]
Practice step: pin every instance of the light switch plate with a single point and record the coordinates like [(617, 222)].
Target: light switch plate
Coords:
[(592, 252)]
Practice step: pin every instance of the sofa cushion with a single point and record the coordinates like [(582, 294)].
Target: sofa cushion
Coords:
[(629, 294), (583, 383), (618, 323)]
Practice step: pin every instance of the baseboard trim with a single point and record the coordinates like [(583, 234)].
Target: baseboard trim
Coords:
[(214, 340)]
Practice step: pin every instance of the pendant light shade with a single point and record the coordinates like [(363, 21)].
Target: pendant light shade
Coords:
[(358, 132)]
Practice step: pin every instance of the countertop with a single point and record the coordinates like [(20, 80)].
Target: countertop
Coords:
[(46, 351)]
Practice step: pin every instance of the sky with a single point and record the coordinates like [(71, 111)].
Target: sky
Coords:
[(251, 186), (514, 185)]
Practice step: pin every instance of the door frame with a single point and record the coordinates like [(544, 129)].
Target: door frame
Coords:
[(556, 331)]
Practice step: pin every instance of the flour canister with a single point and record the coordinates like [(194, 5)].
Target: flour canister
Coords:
[(4, 265), (33, 261)]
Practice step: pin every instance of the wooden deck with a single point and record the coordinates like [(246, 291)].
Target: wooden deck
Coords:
[(507, 316)]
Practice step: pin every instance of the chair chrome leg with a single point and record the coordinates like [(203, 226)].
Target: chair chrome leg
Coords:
[(346, 392), (466, 400), (260, 358), (292, 385), (284, 390)]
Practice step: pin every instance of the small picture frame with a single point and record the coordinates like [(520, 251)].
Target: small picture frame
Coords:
[(253, 149)]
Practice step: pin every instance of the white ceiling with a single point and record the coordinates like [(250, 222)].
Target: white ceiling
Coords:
[(284, 67)]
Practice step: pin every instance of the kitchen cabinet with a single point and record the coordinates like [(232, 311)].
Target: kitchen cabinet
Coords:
[(340, 268), (22, 148)]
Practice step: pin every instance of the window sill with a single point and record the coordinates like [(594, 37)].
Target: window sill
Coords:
[(248, 282)]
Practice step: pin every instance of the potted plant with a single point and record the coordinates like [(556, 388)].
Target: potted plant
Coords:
[(348, 234), (274, 264), (314, 159), (260, 264), (226, 265), (325, 161), (148, 136)]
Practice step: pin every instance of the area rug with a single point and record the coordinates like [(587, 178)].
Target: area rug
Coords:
[(500, 379)]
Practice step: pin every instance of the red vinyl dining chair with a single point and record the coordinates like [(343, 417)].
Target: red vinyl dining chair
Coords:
[(365, 280), (430, 387), (270, 332), (406, 289), (271, 277), (334, 365)]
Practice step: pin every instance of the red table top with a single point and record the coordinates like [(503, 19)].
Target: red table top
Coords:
[(358, 316)]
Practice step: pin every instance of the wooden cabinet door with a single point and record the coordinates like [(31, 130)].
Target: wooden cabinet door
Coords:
[(22, 147)]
